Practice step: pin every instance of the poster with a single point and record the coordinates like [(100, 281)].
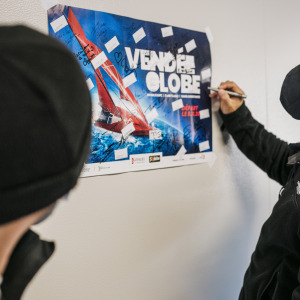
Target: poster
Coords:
[(149, 89)]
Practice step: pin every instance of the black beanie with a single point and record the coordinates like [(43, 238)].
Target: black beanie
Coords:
[(45, 121), (290, 93)]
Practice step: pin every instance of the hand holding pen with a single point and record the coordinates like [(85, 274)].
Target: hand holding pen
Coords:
[(229, 103)]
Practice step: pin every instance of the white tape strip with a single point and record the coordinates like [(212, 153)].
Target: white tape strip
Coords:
[(97, 109), (204, 114), (167, 31), (211, 159), (181, 152), (112, 44), (121, 153), (49, 3), (139, 35), (129, 80), (209, 34), (89, 83), (190, 46), (180, 50), (177, 104), (127, 130), (99, 60), (153, 114), (205, 74), (204, 146), (59, 24)]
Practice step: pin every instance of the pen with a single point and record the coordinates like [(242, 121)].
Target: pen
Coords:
[(229, 93)]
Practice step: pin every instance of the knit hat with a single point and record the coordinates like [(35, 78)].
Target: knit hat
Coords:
[(45, 121), (290, 93)]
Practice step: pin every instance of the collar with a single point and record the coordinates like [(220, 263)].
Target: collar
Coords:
[(295, 158), (295, 147)]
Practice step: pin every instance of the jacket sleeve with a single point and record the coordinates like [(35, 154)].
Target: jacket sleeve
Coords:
[(262, 147), (296, 292)]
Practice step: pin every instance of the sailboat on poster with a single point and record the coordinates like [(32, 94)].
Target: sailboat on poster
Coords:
[(127, 120)]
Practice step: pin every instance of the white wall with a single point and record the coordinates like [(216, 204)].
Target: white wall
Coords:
[(191, 236)]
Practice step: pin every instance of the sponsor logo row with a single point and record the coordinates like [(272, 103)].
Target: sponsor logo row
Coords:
[(135, 160), (142, 160)]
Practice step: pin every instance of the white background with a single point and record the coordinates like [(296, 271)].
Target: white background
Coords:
[(183, 233)]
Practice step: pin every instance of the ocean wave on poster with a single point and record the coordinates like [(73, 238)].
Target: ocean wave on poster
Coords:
[(104, 143)]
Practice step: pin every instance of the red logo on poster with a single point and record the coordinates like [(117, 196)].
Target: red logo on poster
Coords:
[(190, 111)]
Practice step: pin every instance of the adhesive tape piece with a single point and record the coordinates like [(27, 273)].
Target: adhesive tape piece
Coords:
[(181, 152), (209, 34), (121, 153), (49, 3), (211, 159)]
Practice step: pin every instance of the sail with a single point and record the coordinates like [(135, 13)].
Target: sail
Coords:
[(141, 127), (92, 51), (104, 97)]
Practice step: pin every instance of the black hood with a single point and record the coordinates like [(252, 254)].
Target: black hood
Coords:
[(290, 93)]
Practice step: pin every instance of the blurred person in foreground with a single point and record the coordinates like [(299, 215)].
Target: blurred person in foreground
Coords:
[(45, 125)]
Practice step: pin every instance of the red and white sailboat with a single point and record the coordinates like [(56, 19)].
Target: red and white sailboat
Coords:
[(113, 118)]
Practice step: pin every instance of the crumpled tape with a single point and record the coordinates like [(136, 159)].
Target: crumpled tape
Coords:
[(49, 3)]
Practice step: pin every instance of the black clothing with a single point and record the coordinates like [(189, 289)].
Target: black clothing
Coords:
[(45, 121), (30, 254), (290, 93), (274, 268)]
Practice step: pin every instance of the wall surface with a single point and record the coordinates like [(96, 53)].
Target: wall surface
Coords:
[(190, 237)]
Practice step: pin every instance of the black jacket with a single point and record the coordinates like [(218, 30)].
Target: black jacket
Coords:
[(273, 272)]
